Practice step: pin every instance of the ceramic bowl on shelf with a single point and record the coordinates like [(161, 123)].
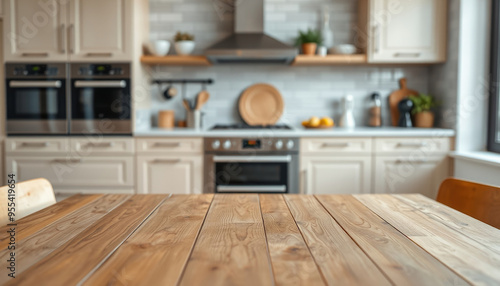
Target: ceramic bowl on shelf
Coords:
[(159, 48), (184, 47), (345, 49)]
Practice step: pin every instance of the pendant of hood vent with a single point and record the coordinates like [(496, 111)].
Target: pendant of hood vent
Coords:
[(261, 104), (249, 44)]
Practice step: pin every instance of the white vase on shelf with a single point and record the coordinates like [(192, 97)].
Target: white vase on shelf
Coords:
[(326, 31)]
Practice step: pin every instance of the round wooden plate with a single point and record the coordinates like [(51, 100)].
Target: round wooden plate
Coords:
[(261, 104)]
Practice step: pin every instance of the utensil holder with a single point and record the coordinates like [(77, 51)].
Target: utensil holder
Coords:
[(166, 119), (194, 119)]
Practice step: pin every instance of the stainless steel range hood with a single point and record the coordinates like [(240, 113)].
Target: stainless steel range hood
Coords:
[(249, 44)]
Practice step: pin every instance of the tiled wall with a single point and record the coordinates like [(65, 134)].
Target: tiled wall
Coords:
[(307, 91)]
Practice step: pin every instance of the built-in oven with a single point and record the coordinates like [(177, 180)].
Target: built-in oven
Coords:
[(100, 99), (36, 100), (242, 165)]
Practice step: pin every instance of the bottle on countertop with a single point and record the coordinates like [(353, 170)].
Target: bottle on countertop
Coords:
[(375, 111), (347, 119)]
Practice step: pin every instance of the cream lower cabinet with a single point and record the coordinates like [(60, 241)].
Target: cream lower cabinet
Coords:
[(336, 175), (74, 165), (169, 165), (406, 176), (169, 174), (335, 165)]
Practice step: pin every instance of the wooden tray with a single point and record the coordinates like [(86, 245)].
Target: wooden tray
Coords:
[(261, 104), (319, 127)]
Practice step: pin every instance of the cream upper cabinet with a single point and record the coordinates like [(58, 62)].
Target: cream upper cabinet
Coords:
[(170, 174), (335, 174), (71, 30), (406, 31), (100, 30), (35, 30), (409, 175)]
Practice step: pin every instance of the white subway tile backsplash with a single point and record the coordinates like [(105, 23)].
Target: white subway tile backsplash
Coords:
[(307, 91)]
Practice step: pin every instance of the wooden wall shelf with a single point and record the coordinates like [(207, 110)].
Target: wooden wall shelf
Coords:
[(176, 60), (303, 60)]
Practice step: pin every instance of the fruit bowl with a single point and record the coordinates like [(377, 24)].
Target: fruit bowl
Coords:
[(318, 127)]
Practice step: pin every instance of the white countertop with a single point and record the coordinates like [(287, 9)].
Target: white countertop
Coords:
[(299, 132)]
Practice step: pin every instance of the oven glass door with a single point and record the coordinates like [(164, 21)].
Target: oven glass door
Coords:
[(100, 99), (36, 100), (267, 176)]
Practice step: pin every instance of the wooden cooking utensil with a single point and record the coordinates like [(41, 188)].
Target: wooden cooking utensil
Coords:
[(261, 104), (201, 99), (185, 102), (396, 97)]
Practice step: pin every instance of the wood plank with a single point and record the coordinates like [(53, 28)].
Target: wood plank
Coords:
[(231, 248), (158, 251), (404, 262), (35, 222), (71, 262), (304, 60), (176, 60), (481, 232), (291, 259), (470, 259), (35, 247), (341, 261)]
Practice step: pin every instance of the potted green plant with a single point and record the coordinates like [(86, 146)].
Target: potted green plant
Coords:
[(309, 41), (184, 43), (423, 115)]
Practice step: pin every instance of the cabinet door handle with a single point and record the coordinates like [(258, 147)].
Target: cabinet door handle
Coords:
[(35, 54), (101, 145), (62, 35), (376, 38), (407, 55), (99, 54), (71, 31), (67, 161), (168, 145), (399, 161), (167, 161), (414, 145), (335, 145), (35, 144)]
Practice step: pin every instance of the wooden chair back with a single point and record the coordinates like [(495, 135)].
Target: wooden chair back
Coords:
[(31, 196), (479, 201)]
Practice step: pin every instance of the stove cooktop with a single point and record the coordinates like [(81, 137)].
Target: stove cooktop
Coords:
[(253, 127)]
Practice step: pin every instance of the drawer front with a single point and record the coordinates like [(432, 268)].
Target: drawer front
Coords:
[(85, 172), (102, 146), (36, 145), (170, 145), (405, 145), (335, 145)]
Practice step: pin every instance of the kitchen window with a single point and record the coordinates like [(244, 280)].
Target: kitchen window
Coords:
[(494, 106)]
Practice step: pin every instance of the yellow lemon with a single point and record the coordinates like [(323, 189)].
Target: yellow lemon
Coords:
[(305, 123), (314, 121), (326, 121)]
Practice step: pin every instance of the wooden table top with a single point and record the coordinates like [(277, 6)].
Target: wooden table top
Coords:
[(250, 239)]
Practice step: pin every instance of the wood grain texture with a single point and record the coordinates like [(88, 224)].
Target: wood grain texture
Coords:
[(304, 60), (341, 261), (231, 247), (470, 259), (404, 262), (176, 60), (483, 233), (291, 260), (71, 262), (35, 247), (476, 200), (37, 221), (158, 251)]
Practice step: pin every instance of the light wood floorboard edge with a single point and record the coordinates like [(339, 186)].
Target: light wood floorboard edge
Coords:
[(446, 265), (86, 277)]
